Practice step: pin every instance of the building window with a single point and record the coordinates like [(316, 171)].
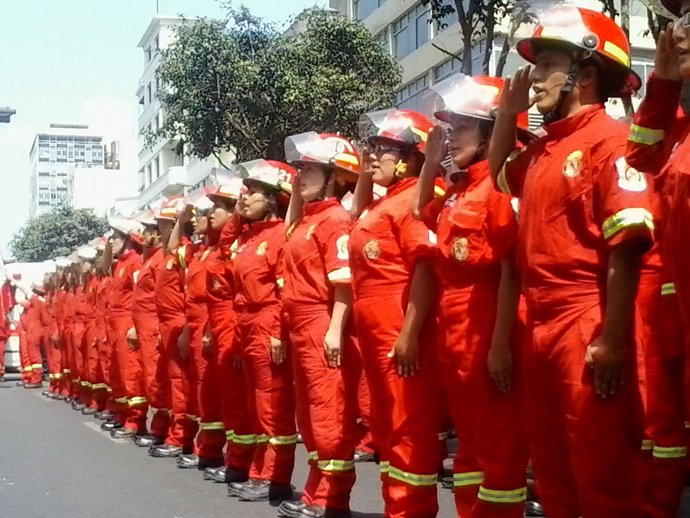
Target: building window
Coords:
[(364, 8), (410, 96), (148, 54), (383, 39), (148, 92), (411, 31), (446, 69)]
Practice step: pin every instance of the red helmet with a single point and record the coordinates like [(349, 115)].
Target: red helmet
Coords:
[(171, 208), (476, 97), (272, 173), (326, 149), (406, 127), (591, 32), (229, 188)]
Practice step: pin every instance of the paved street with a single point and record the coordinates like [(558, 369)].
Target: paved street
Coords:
[(55, 462)]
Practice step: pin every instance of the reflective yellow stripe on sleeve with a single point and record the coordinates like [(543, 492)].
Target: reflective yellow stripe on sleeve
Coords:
[(413, 479), (501, 179), (37, 366), (139, 400), (645, 136), (672, 452), (668, 289), (340, 276), (122, 400), (626, 218), (216, 425), (99, 386), (509, 496), (261, 438), (336, 465), (470, 478), (229, 435), (384, 466)]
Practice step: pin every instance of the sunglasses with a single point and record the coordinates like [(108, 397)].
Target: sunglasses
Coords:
[(381, 148)]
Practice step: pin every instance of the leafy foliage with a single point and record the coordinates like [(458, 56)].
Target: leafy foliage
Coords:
[(238, 85), (57, 233)]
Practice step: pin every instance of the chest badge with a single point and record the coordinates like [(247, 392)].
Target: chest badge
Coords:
[(310, 231), (261, 249), (169, 265), (573, 164), (372, 250), (460, 249)]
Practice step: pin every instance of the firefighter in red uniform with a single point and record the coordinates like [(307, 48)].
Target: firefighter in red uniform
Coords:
[(126, 374), (476, 229), (658, 144), (82, 314), (205, 391), (239, 429), (394, 291), (257, 273), (102, 322), (170, 300), (317, 300), (584, 224), (144, 335)]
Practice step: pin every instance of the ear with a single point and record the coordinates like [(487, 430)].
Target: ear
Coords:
[(588, 78)]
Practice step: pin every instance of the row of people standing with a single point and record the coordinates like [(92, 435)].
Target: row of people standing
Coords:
[(583, 373)]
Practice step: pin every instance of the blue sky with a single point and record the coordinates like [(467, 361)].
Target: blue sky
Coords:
[(57, 55)]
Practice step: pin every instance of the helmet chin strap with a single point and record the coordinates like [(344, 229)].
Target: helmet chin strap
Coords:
[(555, 113)]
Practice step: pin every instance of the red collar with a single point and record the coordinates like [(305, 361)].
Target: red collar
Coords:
[(401, 185), (565, 127), (317, 206)]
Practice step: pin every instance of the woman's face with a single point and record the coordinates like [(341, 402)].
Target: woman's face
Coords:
[(150, 236), (387, 163), (313, 180), (681, 38), (201, 225), (464, 141), (117, 242), (220, 214), (255, 202)]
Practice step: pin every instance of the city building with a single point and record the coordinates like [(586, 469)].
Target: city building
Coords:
[(427, 50), (53, 157), (164, 169)]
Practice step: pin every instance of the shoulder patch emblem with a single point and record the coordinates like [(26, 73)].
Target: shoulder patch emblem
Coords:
[(341, 247), (573, 164), (261, 249), (372, 250), (460, 249), (629, 178)]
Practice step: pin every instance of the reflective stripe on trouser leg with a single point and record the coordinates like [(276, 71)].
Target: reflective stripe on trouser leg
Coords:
[(503, 496), (472, 478)]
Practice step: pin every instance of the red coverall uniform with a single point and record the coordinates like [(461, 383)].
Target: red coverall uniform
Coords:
[(41, 328), (81, 316), (153, 364), (6, 304), (477, 229), (385, 243), (92, 336), (205, 388), (239, 429), (22, 326), (68, 322), (59, 312), (271, 398), (104, 346), (170, 301), (659, 143), (128, 389), (53, 352), (578, 201), (316, 259)]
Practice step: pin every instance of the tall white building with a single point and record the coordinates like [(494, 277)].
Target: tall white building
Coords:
[(404, 28), (53, 157), (163, 172)]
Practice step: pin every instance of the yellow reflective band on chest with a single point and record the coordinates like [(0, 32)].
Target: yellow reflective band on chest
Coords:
[(626, 218), (669, 452)]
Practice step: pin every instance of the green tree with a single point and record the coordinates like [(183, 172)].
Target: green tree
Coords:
[(238, 85), (56, 233)]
